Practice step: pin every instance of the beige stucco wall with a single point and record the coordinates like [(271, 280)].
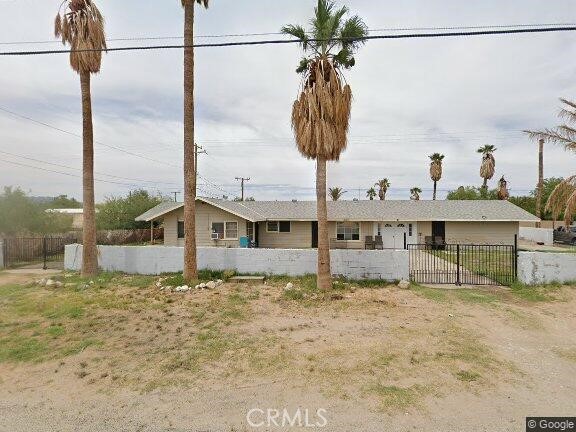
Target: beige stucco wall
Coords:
[(205, 215), (481, 232), (299, 237)]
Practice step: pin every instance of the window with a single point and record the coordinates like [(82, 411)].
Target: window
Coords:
[(218, 228), (388, 226), (348, 231), (231, 230), (225, 230), (401, 226), (410, 230), (180, 229), (278, 226)]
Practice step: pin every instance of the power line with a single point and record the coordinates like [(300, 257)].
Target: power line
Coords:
[(79, 169), (239, 35), (80, 136), (296, 41)]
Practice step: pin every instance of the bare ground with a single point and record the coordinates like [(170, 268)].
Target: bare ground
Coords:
[(120, 355)]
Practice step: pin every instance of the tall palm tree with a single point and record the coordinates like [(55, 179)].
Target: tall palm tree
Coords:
[(371, 194), (336, 193), (383, 186), (321, 115), (563, 198), (503, 193), (80, 24), (190, 263), (415, 193), (488, 166), (436, 170)]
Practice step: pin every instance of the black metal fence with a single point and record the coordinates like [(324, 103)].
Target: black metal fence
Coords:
[(463, 264), (47, 251)]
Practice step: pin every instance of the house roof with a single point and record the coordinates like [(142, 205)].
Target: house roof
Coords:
[(66, 211), (455, 211)]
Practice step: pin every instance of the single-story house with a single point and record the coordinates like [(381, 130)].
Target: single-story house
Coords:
[(293, 224)]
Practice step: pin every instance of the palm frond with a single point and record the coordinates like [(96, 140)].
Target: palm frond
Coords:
[(563, 199), (298, 32), (353, 33), (204, 3)]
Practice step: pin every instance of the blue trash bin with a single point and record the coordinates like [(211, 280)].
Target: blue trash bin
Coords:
[(244, 242)]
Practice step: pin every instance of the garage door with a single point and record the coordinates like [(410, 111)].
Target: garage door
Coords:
[(393, 236)]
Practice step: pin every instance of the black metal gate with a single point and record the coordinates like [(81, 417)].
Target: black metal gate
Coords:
[(45, 251), (463, 264)]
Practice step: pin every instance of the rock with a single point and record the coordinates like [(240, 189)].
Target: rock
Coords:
[(159, 284), (289, 286), (197, 286), (202, 285), (69, 285), (219, 282), (50, 283), (404, 284), (211, 285), (58, 284), (185, 288), (42, 282)]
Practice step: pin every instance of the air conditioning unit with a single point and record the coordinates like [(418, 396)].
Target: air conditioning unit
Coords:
[(215, 236)]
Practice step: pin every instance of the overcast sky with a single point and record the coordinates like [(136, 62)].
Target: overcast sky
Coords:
[(412, 97)]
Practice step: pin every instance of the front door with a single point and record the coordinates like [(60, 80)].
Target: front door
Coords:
[(314, 235), (439, 230)]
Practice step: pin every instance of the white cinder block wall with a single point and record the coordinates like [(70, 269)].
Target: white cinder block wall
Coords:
[(354, 264), (538, 235), (543, 267), (1, 254)]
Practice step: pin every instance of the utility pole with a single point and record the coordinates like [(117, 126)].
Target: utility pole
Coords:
[(198, 149), (242, 180), (540, 190), (176, 195)]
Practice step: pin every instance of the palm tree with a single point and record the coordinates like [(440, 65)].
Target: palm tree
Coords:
[(415, 193), (190, 263), (383, 186), (321, 115), (436, 170), (371, 194), (336, 193), (563, 198), (81, 25), (503, 193), (488, 166)]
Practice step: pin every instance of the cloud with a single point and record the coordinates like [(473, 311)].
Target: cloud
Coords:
[(411, 98)]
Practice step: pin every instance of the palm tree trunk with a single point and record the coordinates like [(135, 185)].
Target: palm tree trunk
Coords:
[(90, 250), (324, 281), (485, 184), (434, 195), (540, 181), (190, 264)]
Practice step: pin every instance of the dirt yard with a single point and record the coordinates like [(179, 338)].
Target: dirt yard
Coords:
[(119, 354)]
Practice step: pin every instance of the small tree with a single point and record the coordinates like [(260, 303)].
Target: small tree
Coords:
[(336, 193), (415, 194), (118, 213), (383, 186), (488, 166), (436, 170), (371, 194)]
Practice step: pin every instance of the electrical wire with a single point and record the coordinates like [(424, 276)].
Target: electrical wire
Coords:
[(239, 35), (297, 41)]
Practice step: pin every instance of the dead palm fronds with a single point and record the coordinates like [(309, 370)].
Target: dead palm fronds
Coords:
[(81, 25), (503, 193), (488, 166), (321, 115), (436, 170), (563, 198)]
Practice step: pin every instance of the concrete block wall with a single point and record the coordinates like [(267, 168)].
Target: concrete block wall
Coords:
[(542, 267), (538, 235), (150, 260), (1, 254)]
